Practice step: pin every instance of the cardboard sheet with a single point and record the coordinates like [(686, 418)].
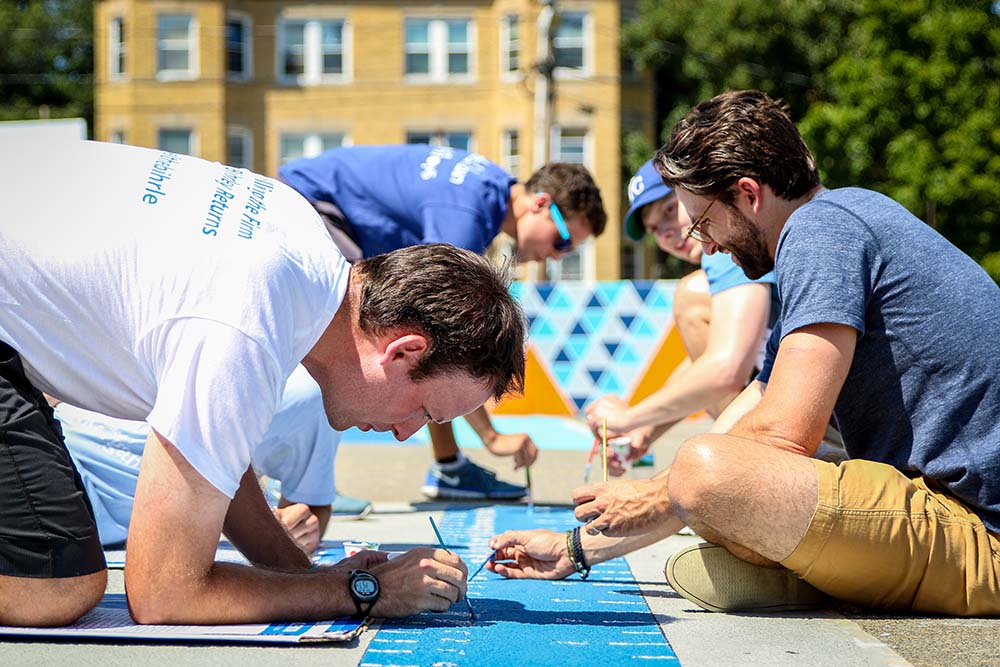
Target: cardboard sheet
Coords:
[(110, 620)]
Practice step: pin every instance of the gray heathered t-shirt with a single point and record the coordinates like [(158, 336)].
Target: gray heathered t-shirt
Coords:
[(923, 391)]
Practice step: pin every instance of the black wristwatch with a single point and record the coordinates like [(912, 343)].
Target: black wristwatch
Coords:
[(365, 590)]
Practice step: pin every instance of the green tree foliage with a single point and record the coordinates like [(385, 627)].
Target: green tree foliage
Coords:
[(901, 96), (46, 59)]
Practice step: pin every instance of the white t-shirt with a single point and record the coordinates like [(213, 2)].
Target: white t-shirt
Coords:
[(298, 450), (148, 285)]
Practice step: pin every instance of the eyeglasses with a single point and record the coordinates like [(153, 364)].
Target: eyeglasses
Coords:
[(565, 242), (697, 234)]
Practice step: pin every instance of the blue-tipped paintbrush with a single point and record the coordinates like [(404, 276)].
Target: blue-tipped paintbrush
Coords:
[(472, 612)]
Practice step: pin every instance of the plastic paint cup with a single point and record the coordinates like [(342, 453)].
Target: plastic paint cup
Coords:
[(621, 447), (352, 548)]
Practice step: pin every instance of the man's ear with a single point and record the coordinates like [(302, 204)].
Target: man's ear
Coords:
[(407, 349), (751, 191), (539, 201)]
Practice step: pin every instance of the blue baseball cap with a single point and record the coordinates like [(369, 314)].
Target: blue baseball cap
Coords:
[(644, 188)]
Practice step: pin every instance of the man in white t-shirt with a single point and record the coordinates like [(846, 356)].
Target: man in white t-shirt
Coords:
[(147, 285)]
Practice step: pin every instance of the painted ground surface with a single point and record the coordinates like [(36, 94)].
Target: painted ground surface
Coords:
[(602, 621)]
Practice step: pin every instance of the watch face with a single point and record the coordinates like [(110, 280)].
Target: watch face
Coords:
[(364, 586)]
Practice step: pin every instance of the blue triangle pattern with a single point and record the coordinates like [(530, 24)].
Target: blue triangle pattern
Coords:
[(576, 346), (609, 291), (544, 291), (594, 302), (580, 401), (642, 288), (595, 374), (593, 319), (658, 301), (578, 329), (562, 356), (544, 329), (560, 302), (611, 347), (626, 319), (562, 371), (644, 329), (627, 355)]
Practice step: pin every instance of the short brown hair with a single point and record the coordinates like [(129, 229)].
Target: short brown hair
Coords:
[(459, 301), (573, 189), (737, 134)]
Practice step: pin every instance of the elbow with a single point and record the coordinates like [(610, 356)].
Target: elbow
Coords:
[(154, 602)]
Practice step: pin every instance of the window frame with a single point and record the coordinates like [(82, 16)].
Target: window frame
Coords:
[(192, 50), (245, 135), (438, 51), (506, 47), (192, 138), (247, 22), (312, 52), (586, 46), (310, 138), (117, 49), (510, 161), (438, 137)]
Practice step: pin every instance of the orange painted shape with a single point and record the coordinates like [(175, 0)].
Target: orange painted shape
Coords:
[(542, 395), (668, 357)]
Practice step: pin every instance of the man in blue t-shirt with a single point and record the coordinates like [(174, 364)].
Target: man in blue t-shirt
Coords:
[(722, 316), (884, 325), (375, 199)]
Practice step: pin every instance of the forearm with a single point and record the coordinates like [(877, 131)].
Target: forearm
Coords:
[(599, 548), (479, 420), (253, 529), (702, 385), (231, 593)]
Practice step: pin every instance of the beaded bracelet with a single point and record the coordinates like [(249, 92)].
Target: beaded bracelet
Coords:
[(574, 549)]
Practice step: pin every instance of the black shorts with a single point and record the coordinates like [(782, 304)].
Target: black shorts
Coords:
[(47, 527)]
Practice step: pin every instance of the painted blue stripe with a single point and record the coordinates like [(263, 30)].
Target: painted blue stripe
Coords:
[(601, 621)]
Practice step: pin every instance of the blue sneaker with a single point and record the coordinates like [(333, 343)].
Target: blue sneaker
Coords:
[(469, 482), (346, 508)]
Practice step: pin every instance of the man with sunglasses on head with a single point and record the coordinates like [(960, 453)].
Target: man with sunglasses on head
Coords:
[(375, 199), (723, 317), (886, 326)]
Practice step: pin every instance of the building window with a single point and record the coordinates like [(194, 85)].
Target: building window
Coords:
[(238, 48), (239, 147), (510, 152), (294, 145), (116, 39), (569, 42), (571, 146), (117, 137), (510, 45), (438, 49), (175, 46), (313, 51), (176, 140), (451, 139)]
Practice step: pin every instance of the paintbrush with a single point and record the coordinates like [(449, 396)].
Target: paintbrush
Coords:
[(472, 612), (590, 461), (479, 569), (531, 496), (604, 451)]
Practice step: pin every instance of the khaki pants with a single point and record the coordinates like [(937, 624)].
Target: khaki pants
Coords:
[(881, 539)]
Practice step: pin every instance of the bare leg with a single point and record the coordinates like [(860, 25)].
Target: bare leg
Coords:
[(443, 443), (49, 602), (755, 500)]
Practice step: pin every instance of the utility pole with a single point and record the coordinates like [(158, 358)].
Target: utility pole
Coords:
[(545, 89)]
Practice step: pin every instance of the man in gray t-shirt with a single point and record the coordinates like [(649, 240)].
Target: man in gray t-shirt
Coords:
[(887, 329)]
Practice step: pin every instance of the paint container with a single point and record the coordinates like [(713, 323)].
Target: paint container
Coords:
[(621, 447), (352, 548)]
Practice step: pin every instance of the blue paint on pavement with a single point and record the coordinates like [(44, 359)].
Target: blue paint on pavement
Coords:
[(602, 621)]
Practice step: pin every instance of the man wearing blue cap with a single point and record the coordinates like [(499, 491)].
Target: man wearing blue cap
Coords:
[(375, 199), (723, 318)]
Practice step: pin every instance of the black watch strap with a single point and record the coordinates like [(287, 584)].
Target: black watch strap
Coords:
[(365, 591)]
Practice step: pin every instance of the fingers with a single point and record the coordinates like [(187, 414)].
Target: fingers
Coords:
[(587, 492), (510, 538)]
